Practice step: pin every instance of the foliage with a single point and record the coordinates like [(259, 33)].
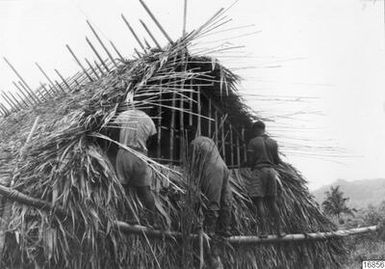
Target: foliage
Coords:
[(335, 203), (366, 246)]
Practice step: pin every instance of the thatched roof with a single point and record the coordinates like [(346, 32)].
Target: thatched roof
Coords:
[(65, 164)]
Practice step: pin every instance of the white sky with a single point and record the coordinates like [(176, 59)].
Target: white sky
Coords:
[(331, 50)]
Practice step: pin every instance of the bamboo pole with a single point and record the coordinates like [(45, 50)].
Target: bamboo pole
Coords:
[(62, 78), (78, 62), (216, 127), (184, 18), (97, 54), (231, 145), (244, 144), (238, 152), (92, 68), (45, 75), (147, 44), (116, 50), (210, 117), (201, 256), (159, 123), (5, 109), (191, 103), (31, 94), (172, 127), (45, 89), (17, 73), (223, 138), (17, 101), (22, 92), (12, 106), (199, 111), (102, 44), (99, 68), (19, 197), (137, 53), (156, 21), (16, 104), (60, 87), (132, 32), (181, 123), (150, 34)]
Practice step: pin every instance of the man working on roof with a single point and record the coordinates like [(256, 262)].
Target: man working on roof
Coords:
[(262, 158), (135, 129), (214, 183)]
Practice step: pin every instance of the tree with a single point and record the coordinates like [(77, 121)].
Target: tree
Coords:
[(335, 203)]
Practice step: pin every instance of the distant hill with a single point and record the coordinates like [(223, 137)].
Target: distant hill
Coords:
[(361, 192)]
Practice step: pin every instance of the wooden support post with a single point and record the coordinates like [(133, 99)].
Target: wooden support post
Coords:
[(156, 21), (159, 122), (172, 127), (184, 18), (244, 144), (191, 103), (210, 117), (199, 129), (181, 122), (116, 50), (216, 128), (132, 32), (231, 145), (150, 34), (26, 97), (78, 62), (223, 138), (239, 163), (102, 44), (46, 76), (31, 94), (97, 54), (64, 81)]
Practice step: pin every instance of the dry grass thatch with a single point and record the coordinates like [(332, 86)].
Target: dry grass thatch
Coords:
[(65, 164)]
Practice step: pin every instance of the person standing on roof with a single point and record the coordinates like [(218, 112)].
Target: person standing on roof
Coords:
[(136, 127), (214, 184), (263, 157)]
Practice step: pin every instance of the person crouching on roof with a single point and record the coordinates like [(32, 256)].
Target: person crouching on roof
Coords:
[(136, 127), (214, 184), (263, 157)]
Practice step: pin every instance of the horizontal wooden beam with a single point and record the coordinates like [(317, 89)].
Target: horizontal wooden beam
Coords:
[(17, 196)]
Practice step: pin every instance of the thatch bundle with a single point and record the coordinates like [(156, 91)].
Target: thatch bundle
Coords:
[(67, 164)]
